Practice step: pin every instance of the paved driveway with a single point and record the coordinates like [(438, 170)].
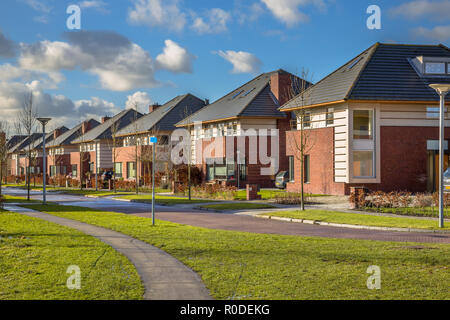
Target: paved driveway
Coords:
[(234, 222)]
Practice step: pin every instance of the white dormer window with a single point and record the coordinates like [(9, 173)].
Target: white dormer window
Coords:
[(435, 68)]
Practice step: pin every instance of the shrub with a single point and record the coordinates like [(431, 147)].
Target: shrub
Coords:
[(291, 198), (212, 191)]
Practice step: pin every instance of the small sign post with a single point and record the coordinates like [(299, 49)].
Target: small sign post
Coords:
[(153, 141)]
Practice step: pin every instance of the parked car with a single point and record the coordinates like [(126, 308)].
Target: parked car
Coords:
[(282, 179), (447, 180), (107, 175)]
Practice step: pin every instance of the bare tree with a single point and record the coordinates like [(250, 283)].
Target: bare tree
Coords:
[(4, 128), (303, 142), (27, 119), (187, 115)]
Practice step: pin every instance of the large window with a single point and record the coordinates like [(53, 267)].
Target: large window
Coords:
[(363, 124), (307, 169), (435, 67), (363, 164), (291, 169), (219, 169), (118, 169), (307, 120), (52, 171), (131, 170)]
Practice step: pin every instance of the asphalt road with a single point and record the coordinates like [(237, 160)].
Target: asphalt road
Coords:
[(234, 222)]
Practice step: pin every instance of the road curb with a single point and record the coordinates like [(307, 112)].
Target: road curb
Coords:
[(351, 226)]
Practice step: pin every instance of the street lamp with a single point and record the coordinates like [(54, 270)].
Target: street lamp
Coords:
[(44, 122), (442, 90), (154, 141)]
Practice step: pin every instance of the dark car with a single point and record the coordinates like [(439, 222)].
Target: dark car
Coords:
[(107, 175), (282, 179)]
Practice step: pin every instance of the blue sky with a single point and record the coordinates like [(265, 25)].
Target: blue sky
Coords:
[(211, 47)]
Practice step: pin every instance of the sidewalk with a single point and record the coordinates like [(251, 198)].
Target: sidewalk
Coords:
[(164, 277)]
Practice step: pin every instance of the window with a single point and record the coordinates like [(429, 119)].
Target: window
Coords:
[(354, 63), (435, 67), (330, 116), (243, 170), (448, 68), (237, 94), (433, 112), (52, 171), (131, 170), (291, 169), (118, 169), (164, 140), (363, 164), (307, 120), (221, 130), (306, 165), (74, 170), (363, 124)]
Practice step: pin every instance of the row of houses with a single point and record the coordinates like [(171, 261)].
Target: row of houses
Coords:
[(372, 122)]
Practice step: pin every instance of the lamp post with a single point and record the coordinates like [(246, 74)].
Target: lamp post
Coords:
[(442, 90), (96, 164), (154, 141), (44, 122)]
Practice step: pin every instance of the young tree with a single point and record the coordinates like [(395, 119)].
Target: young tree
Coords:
[(114, 144), (187, 114), (301, 143), (3, 151), (27, 118)]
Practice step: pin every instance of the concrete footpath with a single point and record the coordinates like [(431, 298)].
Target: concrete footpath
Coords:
[(163, 276)]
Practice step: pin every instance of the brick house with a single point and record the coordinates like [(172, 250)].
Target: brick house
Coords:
[(12, 142), (229, 134), (17, 154), (61, 147), (95, 147), (160, 121), (37, 163), (373, 122)]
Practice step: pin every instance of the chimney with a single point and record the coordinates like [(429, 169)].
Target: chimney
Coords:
[(153, 107), (104, 119), (280, 84), (85, 127), (57, 133), (206, 102)]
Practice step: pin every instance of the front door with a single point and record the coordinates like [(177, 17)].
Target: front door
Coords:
[(433, 170)]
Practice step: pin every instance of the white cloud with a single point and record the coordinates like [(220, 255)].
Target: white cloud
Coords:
[(248, 13), (120, 64), (288, 11), (98, 5), (38, 5), (63, 110), (161, 13), (215, 21), (142, 99), (243, 62), (439, 33), (434, 10), (175, 58)]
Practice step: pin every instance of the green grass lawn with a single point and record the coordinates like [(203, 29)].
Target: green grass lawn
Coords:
[(237, 265), (35, 255), (418, 212), (164, 200), (237, 206), (359, 219), (12, 199)]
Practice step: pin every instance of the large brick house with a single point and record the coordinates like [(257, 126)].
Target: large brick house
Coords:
[(12, 142), (18, 154), (228, 135), (132, 161), (373, 122), (95, 147), (61, 147)]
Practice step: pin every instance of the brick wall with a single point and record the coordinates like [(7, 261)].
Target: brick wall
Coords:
[(404, 158), (75, 159), (320, 148), (60, 161)]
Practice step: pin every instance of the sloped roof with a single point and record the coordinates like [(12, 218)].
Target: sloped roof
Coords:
[(24, 144), (14, 140), (382, 72), (49, 137), (166, 116), (67, 137), (104, 130), (252, 99)]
